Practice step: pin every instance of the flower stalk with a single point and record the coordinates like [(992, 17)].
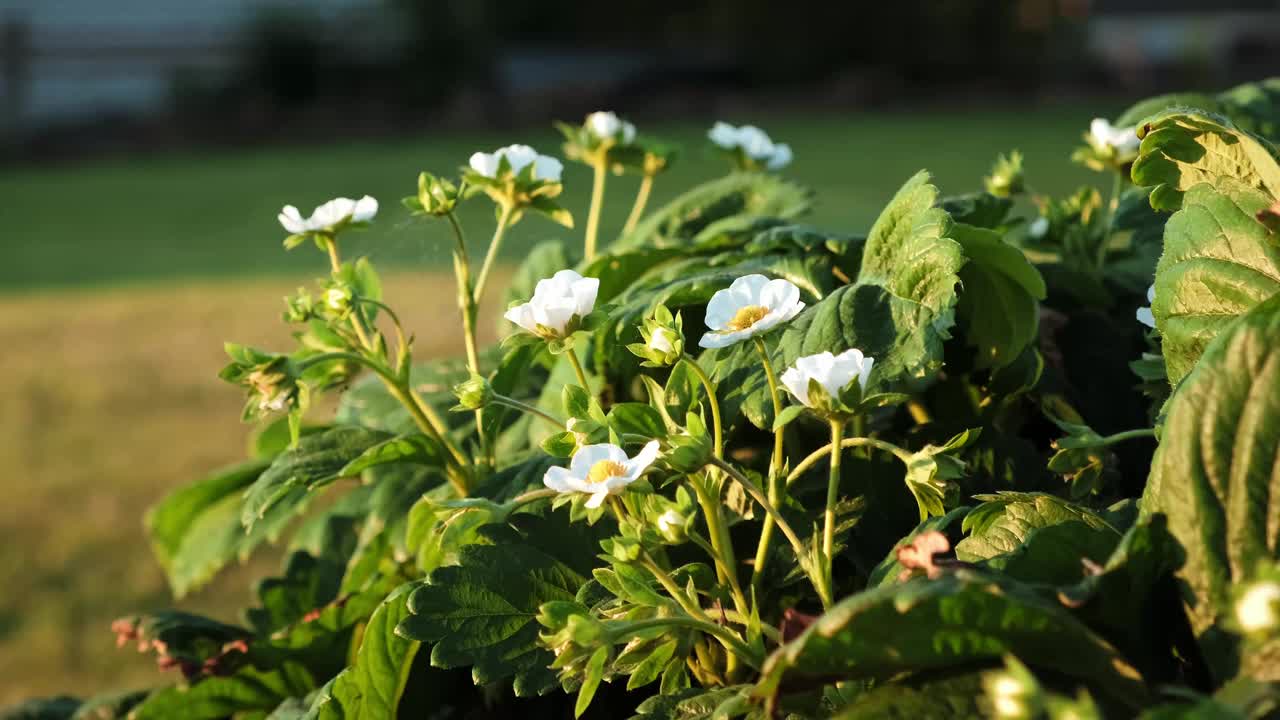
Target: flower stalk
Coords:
[(601, 174), (637, 208), (829, 513), (504, 221), (775, 466)]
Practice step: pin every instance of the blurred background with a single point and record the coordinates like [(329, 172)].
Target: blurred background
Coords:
[(147, 145)]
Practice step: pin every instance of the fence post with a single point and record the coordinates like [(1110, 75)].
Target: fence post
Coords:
[(15, 68)]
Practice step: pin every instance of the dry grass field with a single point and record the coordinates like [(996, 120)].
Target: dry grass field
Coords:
[(111, 399)]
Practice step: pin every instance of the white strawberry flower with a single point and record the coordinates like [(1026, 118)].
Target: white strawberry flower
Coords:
[(1258, 609), (753, 304), (600, 471), (833, 373), (558, 303), (608, 126), (1144, 313), (1104, 135), (754, 143), (329, 216), (518, 157)]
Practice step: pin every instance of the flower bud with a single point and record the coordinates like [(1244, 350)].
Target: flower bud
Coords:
[(1006, 178), (436, 196), (663, 339), (473, 393), (338, 299), (672, 526)]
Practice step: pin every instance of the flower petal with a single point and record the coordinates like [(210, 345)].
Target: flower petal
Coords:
[(522, 315), (643, 459), (722, 340), (596, 500), (292, 220), (558, 479), (365, 210), (485, 164), (797, 384)]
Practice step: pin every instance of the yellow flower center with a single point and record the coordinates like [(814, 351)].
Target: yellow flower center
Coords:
[(604, 470), (747, 316)]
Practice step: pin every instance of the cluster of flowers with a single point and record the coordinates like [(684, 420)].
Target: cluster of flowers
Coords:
[(750, 306)]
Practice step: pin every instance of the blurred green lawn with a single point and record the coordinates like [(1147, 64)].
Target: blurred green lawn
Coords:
[(213, 213), (120, 280)]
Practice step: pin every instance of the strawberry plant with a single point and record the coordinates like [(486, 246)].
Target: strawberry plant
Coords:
[(999, 454)]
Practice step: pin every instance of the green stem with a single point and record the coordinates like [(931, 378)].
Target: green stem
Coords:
[(710, 387), (593, 215), (829, 514), (357, 317), (721, 544), (758, 495), (468, 304), (492, 254), (577, 368), (1128, 435), (712, 510), (424, 415), (825, 450), (775, 466), (726, 636), (515, 404), (468, 301), (637, 208), (402, 347)]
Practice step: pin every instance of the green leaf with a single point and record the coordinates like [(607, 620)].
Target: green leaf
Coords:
[(1182, 149), (371, 687), (1132, 600), (695, 704), (1215, 474), (927, 697), (316, 461), (1035, 537), (417, 449), (1218, 262), (758, 194), (957, 619), (483, 612), (196, 531), (637, 419), (898, 311), (248, 690), (998, 310)]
